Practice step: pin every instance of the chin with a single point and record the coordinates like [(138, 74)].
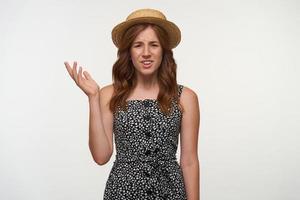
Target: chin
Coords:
[(147, 71)]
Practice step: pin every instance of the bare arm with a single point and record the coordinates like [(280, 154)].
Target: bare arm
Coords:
[(189, 143), (100, 118), (100, 143)]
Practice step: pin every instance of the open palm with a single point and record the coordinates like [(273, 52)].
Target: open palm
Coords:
[(86, 83)]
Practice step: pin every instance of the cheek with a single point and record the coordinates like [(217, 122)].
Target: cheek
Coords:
[(158, 52), (134, 55), (159, 55), (134, 58)]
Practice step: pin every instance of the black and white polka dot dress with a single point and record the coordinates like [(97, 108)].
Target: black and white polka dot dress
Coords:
[(146, 141)]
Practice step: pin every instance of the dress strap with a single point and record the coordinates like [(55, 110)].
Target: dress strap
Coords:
[(180, 87)]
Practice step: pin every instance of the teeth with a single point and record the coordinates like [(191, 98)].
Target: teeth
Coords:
[(146, 62)]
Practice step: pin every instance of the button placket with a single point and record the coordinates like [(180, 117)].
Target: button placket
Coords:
[(147, 117)]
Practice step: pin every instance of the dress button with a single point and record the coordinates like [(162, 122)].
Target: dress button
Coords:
[(147, 133), (156, 150), (147, 152), (147, 174), (147, 117), (149, 192), (146, 103)]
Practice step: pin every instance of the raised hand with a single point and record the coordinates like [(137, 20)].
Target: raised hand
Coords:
[(85, 83)]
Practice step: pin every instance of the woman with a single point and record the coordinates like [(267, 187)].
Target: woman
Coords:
[(145, 109)]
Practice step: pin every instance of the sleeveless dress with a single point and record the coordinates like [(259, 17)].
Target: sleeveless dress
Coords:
[(146, 141)]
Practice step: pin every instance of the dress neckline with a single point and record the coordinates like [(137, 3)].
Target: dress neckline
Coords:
[(147, 99), (140, 100)]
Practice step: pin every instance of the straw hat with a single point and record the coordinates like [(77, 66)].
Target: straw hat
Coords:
[(150, 16)]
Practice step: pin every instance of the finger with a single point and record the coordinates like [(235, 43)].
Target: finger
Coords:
[(69, 69), (79, 77), (75, 72), (75, 63), (87, 75)]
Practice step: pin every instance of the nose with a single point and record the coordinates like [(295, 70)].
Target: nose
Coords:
[(146, 52)]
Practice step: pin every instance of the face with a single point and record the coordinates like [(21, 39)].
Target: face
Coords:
[(146, 52)]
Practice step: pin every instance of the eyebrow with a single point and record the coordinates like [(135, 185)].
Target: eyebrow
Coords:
[(138, 42)]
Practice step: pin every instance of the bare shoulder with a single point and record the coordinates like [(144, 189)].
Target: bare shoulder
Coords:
[(106, 93), (189, 99)]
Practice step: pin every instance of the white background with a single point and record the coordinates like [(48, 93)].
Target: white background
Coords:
[(240, 57)]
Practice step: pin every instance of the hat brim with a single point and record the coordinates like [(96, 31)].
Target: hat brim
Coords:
[(172, 30)]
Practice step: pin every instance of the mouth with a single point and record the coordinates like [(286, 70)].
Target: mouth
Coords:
[(147, 63)]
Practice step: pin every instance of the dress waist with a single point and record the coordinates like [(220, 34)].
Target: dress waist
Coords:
[(124, 158), (163, 171)]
